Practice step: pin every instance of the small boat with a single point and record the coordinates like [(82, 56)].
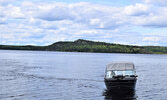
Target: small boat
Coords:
[(120, 76)]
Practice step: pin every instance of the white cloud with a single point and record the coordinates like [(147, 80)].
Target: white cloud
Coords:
[(137, 10), (14, 12), (11, 11), (157, 18), (92, 32), (157, 2), (55, 12), (2, 21), (5, 2), (154, 39), (45, 23), (83, 13)]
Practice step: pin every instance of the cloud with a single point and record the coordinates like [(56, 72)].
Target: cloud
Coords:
[(5, 2), (55, 13), (97, 16), (156, 19), (44, 23), (157, 2), (93, 15), (2, 21), (92, 32), (10, 11), (153, 39), (137, 9), (102, 23)]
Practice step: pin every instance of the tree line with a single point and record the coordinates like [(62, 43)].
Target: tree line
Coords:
[(81, 45)]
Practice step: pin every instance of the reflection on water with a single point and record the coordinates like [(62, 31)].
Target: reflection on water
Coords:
[(119, 95)]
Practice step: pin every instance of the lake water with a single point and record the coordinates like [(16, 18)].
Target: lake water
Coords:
[(42, 75)]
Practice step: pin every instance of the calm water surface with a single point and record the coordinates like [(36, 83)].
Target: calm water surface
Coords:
[(41, 75)]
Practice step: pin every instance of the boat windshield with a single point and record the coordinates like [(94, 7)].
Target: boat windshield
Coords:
[(110, 74)]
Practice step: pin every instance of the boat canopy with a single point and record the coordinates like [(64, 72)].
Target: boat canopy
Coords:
[(120, 66)]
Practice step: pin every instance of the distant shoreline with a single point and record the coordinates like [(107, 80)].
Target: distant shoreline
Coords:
[(87, 46), (85, 52)]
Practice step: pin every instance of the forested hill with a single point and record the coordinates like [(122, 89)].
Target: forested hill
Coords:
[(91, 46), (81, 45)]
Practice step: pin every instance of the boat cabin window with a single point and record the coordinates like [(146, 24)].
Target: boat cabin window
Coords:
[(110, 74), (119, 72), (129, 73)]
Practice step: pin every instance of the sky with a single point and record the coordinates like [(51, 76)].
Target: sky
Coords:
[(43, 22)]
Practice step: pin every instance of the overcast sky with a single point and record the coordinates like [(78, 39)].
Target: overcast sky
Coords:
[(43, 22)]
